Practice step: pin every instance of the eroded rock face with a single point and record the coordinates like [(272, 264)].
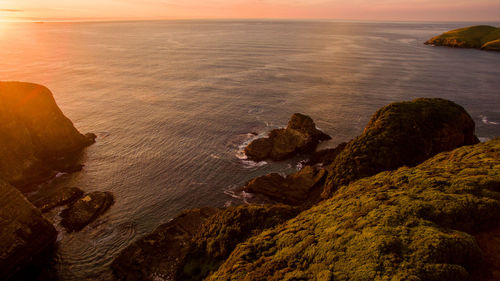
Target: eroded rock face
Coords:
[(300, 136), (293, 189), (160, 254), (35, 133), (24, 232), (402, 134), (85, 210)]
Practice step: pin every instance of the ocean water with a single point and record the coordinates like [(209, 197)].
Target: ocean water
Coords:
[(173, 102)]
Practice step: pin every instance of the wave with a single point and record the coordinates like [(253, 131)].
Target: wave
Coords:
[(485, 120)]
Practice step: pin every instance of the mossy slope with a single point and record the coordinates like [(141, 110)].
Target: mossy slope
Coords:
[(410, 224), (479, 36)]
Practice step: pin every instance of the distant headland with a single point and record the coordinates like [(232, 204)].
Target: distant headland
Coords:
[(482, 37)]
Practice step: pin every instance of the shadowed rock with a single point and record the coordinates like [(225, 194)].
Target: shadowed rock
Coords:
[(300, 136), (35, 134), (293, 189), (50, 197), (24, 232), (86, 210)]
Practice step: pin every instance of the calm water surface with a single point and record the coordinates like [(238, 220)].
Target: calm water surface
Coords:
[(172, 103)]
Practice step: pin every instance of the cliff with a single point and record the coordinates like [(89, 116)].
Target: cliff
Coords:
[(24, 232), (36, 136), (436, 221), (480, 37)]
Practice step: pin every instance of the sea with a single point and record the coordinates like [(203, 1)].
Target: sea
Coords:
[(173, 103)]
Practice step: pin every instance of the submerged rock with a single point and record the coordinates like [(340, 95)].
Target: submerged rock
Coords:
[(294, 189), (35, 133), (300, 136), (480, 37), (402, 134), (86, 210), (50, 197), (24, 232), (435, 221)]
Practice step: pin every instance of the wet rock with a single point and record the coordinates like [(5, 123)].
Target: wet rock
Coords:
[(86, 210), (300, 136), (50, 197), (402, 134), (24, 233), (294, 189)]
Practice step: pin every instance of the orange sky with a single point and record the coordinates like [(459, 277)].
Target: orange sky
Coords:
[(443, 10)]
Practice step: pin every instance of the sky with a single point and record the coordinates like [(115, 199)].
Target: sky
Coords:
[(394, 10)]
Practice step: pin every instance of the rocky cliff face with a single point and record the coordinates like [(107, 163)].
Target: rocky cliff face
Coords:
[(24, 232), (36, 136)]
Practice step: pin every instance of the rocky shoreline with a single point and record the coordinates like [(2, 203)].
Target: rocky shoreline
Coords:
[(414, 197), (416, 134), (37, 142)]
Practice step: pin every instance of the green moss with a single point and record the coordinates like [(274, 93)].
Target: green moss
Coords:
[(468, 37), (410, 224)]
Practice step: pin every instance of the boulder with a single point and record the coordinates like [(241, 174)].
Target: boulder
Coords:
[(300, 136), (35, 133), (401, 134), (24, 233), (85, 210), (294, 189), (50, 197)]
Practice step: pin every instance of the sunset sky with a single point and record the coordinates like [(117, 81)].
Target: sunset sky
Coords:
[(442, 10)]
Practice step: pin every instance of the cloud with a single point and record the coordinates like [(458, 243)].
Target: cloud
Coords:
[(11, 10)]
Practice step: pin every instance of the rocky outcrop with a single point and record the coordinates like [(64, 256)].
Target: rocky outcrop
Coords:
[(194, 244), (435, 221), (401, 134), (161, 253), (300, 136), (479, 37), (293, 189), (85, 210), (24, 232), (50, 197), (36, 137)]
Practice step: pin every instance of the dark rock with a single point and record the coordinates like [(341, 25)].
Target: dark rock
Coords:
[(326, 156), (402, 134), (50, 197), (161, 253), (24, 233), (300, 136), (222, 232), (34, 132), (86, 210), (294, 189)]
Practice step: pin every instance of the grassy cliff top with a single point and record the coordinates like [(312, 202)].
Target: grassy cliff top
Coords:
[(428, 222), (468, 37)]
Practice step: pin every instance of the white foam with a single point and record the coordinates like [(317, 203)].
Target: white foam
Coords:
[(485, 120), (483, 139)]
